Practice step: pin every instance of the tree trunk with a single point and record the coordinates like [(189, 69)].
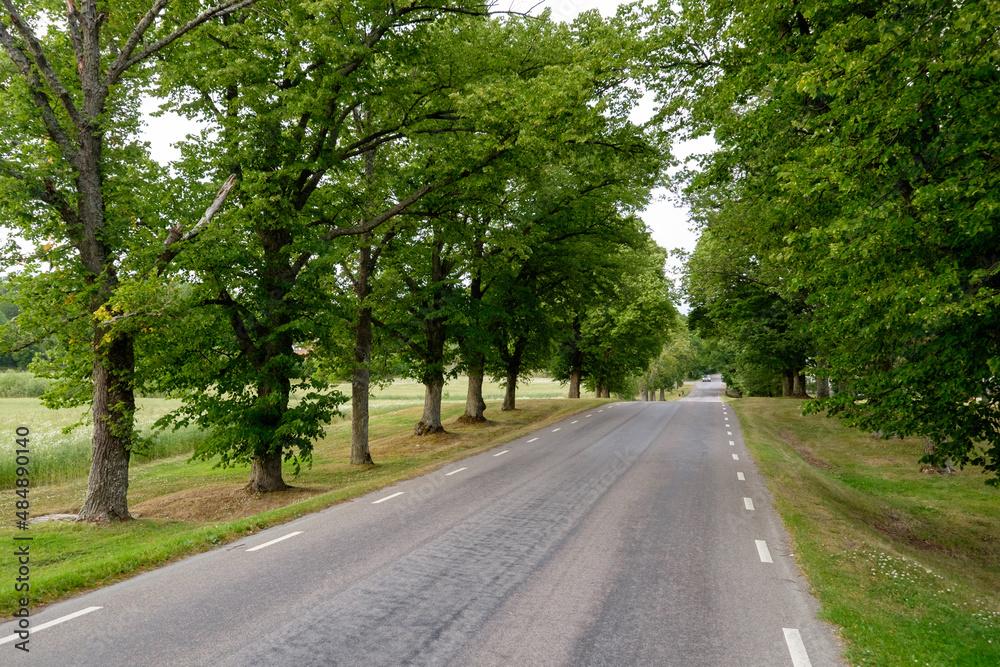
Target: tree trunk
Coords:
[(265, 474), (645, 395), (510, 392), (663, 394), (474, 403), (606, 393), (113, 411), (799, 386), (360, 387), (430, 422), (598, 391), (822, 387), (574, 383), (361, 376), (787, 380)]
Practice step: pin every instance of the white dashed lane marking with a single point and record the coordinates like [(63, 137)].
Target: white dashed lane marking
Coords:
[(763, 552), (732, 444), (382, 500), (281, 539), (557, 429), (454, 471), (796, 648), (748, 503), (740, 477), (501, 453), (735, 457), (533, 439), (61, 619)]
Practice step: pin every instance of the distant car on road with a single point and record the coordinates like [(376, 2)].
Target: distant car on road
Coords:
[(706, 378)]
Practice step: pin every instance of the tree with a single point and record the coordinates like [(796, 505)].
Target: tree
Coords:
[(870, 131), (71, 166)]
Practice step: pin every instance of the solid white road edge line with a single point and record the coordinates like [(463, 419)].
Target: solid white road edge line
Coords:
[(533, 439), (501, 453), (382, 500), (795, 646), (61, 619), (748, 503), (455, 471), (763, 552), (740, 477), (267, 544)]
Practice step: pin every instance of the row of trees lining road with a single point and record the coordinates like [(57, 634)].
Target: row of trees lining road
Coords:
[(851, 215), (420, 187)]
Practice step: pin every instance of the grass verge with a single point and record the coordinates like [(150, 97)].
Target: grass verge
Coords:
[(906, 563), (186, 508)]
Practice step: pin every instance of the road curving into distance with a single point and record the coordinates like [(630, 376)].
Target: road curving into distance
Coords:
[(633, 534)]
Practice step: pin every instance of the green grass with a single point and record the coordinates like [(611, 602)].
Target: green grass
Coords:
[(185, 508), (17, 384), (906, 563), (59, 457)]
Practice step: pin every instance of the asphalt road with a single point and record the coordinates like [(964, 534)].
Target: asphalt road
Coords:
[(620, 536)]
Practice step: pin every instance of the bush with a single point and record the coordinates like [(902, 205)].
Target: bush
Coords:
[(21, 385)]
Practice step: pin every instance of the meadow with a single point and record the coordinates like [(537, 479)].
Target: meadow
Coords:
[(904, 560)]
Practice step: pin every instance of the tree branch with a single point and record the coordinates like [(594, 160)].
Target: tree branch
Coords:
[(170, 249), (218, 11)]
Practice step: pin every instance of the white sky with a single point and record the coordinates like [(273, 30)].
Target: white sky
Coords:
[(669, 223)]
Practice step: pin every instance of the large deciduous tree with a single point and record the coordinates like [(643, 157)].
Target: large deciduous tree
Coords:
[(72, 172)]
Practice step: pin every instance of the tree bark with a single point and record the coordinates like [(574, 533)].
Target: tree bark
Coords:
[(663, 394), (574, 383), (265, 474), (787, 381), (113, 411), (510, 392), (645, 395), (799, 386), (361, 375), (606, 392), (822, 387), (474, 403), (430, 421)]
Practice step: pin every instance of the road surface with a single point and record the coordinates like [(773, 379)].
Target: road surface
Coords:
[(633, 534)]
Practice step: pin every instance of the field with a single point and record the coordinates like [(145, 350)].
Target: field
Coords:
[(906, 562), (186, 507), (59, 457)]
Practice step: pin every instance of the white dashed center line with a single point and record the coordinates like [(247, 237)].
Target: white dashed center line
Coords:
[(590, 415), (729, 432), (740, 477), (574, 421), (557, 429), (533, 439), (454, 471), (501, 453), (61, 619), (762, 551), (382, 500), (732, 444), (748, 503), (795, 646), (735, 457), (282, 538), (600, 410)]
